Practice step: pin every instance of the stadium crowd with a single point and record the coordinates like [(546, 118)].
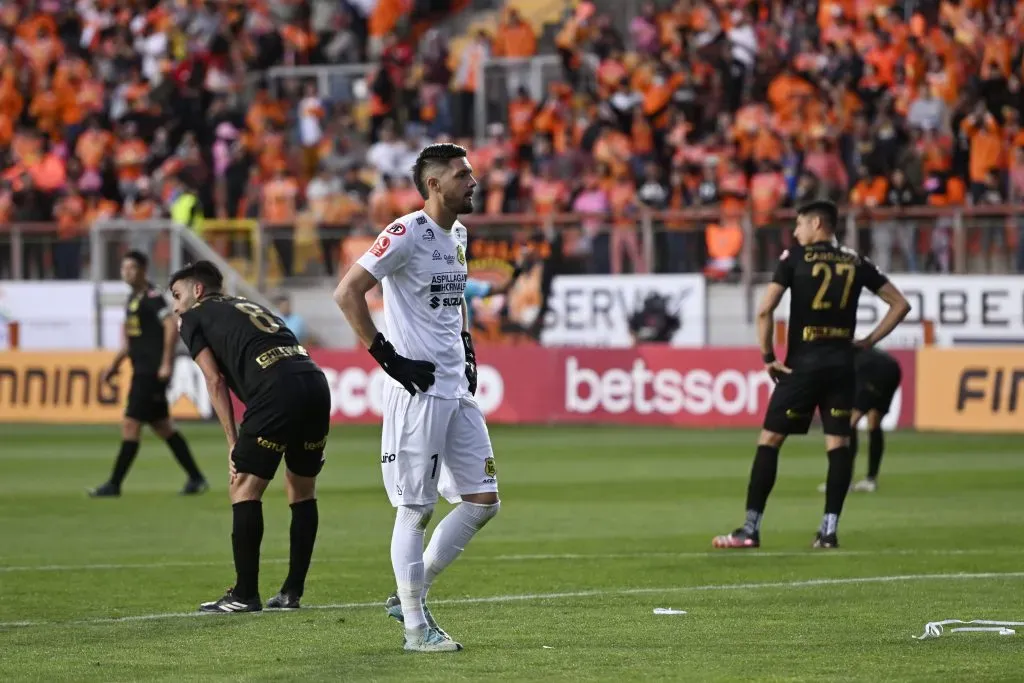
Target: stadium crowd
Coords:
[(141, 108)]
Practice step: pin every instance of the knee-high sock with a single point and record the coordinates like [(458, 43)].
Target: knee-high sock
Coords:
[(246, 537), (407, 560), (125, 458), (451, 536), (179, 448), (840, 473), (875, 450), (305, 521), (762, 480)]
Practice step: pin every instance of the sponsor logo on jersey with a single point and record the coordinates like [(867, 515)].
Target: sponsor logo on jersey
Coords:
[(396, 229), (422, 220), (448, 301), (428, 234), (449, 259), (460, 254), (380, 246), (437, 255), (448, 283)]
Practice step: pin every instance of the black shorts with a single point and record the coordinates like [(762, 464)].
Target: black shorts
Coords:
[(147, 399), (289, 421), (876, 390), (829, 390)]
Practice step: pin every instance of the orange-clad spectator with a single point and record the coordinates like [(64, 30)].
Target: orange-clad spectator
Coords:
[(767, 193), (870, 190), (279, 203), (515, 37), (130, 156), (45, 109), (48, 173), (272, 151), (733, 189), (723, 242), (264, 112), (576, 31), (936, 151), (495, 185), (659, 96), (615, 149), (985, 140), (384, 18), (787, 93), (884, 57), (547, 194), (310, 114), (610, 73), (553, 118), (42, 50), (142, 206), (521, 112), (93, 146)]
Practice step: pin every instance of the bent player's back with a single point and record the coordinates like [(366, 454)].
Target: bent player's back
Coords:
[(825, 282), (252, 345)]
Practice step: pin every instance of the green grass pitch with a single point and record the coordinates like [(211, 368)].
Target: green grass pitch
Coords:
[(599, 526)]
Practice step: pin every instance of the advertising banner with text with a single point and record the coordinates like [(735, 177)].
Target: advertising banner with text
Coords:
[(965, 309), (970, 390), (655, 385), (67, 388)]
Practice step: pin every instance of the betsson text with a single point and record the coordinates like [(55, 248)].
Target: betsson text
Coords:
[(666, 391)]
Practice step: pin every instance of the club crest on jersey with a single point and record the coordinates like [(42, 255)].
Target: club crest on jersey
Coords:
[(428, 234), (396, 229), (449, 259), (460, 254), (380, 246), (437, 255)]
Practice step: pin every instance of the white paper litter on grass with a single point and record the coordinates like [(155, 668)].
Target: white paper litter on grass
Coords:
[(933, 629), (668, 611)]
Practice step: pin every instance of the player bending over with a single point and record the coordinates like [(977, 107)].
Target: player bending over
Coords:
[(239, 345), (434, 435), (150, 336), (878, 377), (825, 281)]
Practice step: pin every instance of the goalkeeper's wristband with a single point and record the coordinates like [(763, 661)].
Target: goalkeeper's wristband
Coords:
[(768, 358)]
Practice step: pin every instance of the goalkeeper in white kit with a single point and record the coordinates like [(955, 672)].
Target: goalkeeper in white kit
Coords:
[(434, 435)]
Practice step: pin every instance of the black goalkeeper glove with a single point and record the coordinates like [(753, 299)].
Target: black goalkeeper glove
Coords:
[(411, 374), (467, 343)]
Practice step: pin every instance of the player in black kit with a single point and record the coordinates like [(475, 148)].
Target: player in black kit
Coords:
[(149, 340), (242, 347), (878, 377), (825, 281)]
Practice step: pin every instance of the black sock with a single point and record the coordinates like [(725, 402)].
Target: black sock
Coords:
[(246, 537), (840, 473), (762, 479), (305, 520), (876, 448), (179, 447), (125, 458)]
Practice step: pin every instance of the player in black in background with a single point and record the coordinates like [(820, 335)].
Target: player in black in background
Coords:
[(241, 346), (825, 281), (878, 377), (150, 336)]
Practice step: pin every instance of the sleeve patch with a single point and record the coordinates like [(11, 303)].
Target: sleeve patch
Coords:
[(396, 229), (381, 245)]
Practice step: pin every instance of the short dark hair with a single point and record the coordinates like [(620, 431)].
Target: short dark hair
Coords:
[(823, 209), (141, 260), (202, 272), (434, 155)]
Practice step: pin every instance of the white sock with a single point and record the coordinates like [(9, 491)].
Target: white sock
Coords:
[(407, 561), (452, 535)]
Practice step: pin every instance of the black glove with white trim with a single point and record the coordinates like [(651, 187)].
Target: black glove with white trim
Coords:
[(411, 374), (467, 343)]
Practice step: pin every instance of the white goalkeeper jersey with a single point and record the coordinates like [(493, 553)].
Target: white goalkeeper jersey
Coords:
[(422, 270)]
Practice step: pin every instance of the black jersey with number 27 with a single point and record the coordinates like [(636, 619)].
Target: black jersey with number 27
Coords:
[(825, 281), (251, 345)]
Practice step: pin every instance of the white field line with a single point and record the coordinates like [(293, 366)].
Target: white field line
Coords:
[(528, 597), (753, 554)]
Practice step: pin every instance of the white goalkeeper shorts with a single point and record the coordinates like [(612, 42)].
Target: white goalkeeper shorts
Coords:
[(434, 445)]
